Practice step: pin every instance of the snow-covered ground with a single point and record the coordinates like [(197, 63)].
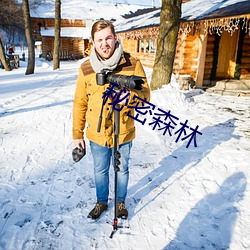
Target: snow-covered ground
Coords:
[(178, 197)]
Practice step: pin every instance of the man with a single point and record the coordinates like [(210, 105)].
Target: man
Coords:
[(107, 54)]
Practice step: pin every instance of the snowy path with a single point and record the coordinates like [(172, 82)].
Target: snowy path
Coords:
[(178, 198)]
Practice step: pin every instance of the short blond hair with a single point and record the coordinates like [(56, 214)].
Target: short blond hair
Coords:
[(101, 24)]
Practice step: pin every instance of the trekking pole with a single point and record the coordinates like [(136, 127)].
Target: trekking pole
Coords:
[(117, 156)]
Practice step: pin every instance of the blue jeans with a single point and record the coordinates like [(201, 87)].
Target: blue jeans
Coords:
[(102, 158)]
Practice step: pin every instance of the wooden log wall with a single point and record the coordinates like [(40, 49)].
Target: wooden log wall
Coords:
[(186, 55), (131, 46), (50, 22), (47, 45), (209, 58), (66, 44), (73, 45), (190, 56), (245, 60), (146, 59), (79, 46), (178, 61), (185, 59)]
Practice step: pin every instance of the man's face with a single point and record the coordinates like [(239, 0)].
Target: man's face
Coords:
[(104, 42)]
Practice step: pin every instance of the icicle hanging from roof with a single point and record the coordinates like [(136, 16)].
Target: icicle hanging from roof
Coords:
[(218, 25), (246, 25)]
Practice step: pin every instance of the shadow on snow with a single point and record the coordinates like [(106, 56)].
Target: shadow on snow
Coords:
[(210, 223), (182, 157)]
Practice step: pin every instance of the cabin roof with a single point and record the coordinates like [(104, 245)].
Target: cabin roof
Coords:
[(193, 10), (85, 10), (140, 21), (208, 9)]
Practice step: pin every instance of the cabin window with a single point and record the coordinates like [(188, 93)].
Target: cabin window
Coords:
[(146, 45), (152, 45), (140, 45)]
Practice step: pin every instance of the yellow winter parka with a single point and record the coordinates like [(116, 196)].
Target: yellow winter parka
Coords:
[(88, 102)]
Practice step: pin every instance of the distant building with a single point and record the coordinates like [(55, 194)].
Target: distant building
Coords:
[(77, 19), (75, 36)]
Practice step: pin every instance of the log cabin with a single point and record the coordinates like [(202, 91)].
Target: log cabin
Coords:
[(74, 37), (213, 41)]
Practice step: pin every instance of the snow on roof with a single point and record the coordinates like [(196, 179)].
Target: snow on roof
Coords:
[(80, 32), (85, 10), (145, 20), (198, 9), (192, 10)]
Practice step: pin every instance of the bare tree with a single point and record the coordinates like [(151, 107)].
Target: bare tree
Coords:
[(11, 16), (168, 34), (11, 24), (3, 57), (28, 33), (56, 59)]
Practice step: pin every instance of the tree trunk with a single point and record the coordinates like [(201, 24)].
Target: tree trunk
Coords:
[(28, 33), (168, 34), (56, 59), (3, 57)]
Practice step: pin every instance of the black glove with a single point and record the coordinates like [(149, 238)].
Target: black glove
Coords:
[(78, 153)]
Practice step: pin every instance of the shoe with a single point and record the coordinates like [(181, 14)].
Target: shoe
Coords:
[(122, 211), (97, 210)]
